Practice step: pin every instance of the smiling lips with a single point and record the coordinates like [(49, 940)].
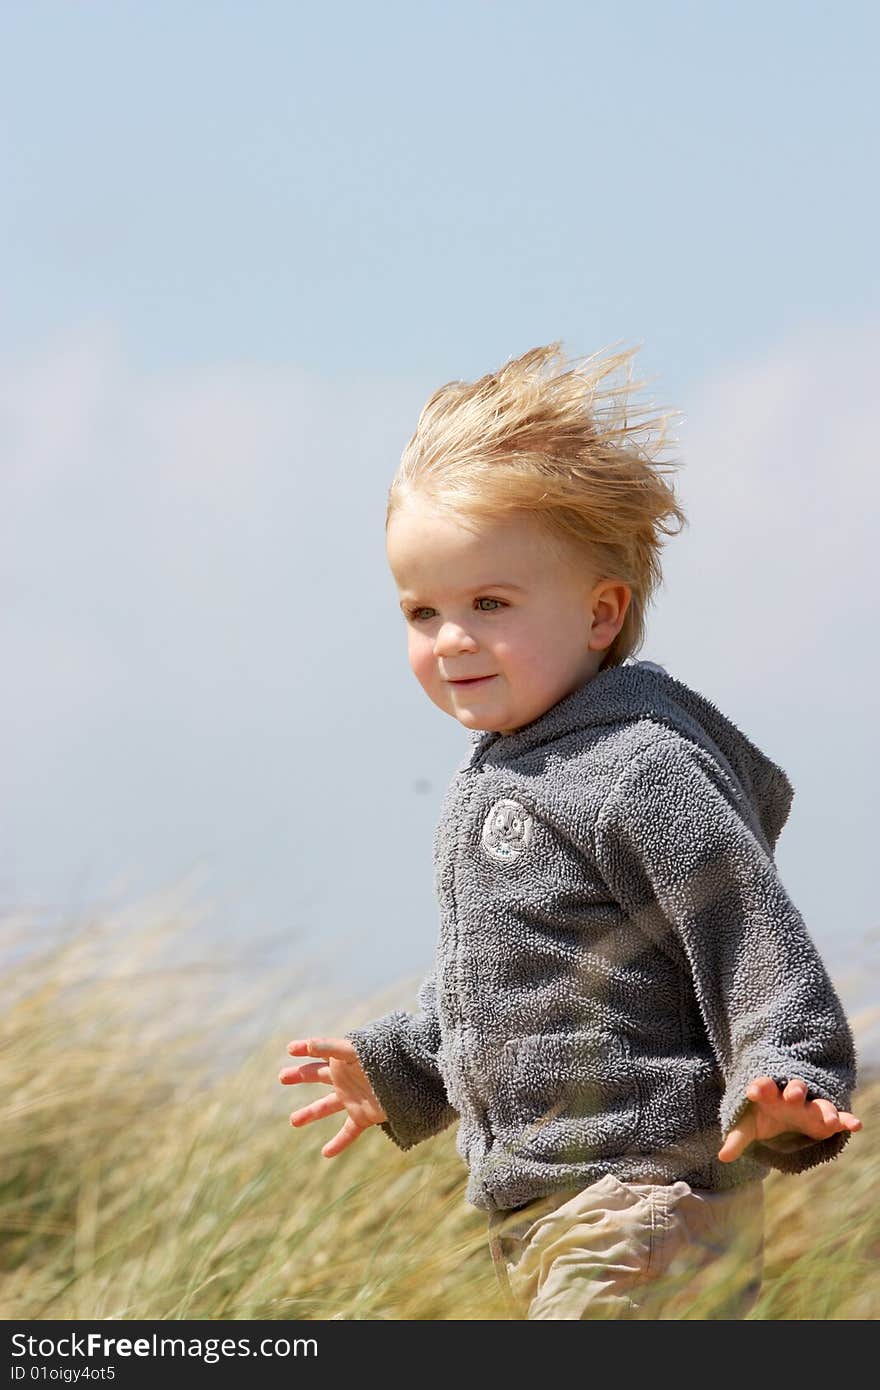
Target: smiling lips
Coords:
[(472, 680)]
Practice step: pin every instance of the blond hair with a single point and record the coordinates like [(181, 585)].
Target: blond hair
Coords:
[(519, 441)]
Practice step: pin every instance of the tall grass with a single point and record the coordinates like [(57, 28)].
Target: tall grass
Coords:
[(148, 1169)]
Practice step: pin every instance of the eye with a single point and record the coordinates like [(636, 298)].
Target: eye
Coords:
[(413, 613)]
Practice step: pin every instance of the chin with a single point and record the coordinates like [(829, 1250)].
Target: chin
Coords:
[(467, 721)]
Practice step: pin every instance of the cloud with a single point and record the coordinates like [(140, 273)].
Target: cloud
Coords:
[(778, 571), (176, 525)]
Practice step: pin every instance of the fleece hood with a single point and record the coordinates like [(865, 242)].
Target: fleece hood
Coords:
[(645, 690)]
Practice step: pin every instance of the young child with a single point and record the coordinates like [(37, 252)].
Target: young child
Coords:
[(626, 1014)]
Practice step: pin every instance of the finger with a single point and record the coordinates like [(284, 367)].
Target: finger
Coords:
[(327, 1105), (323, 1047), (313, 1071), (796, 1090), (851, 1121), (826, 1111), (734, 1144), (347, 1135), (763, 1090)]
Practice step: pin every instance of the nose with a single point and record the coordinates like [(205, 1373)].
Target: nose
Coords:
[(452, 638)]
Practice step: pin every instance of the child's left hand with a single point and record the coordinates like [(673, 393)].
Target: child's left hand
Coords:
[(772, 1113)]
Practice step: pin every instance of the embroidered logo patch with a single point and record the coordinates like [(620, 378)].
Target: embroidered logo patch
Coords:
[(507, 830)]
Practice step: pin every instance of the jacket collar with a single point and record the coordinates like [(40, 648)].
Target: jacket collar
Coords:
[(644, 690)]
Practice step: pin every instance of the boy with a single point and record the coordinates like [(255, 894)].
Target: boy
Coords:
[(626, 1012)]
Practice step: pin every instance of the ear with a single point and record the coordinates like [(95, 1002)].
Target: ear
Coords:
[(609, 602)]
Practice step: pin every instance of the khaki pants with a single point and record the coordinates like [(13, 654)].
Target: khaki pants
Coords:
[(632, 1250)]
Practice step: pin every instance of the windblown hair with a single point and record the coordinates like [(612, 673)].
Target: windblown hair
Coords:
[(552, 446)]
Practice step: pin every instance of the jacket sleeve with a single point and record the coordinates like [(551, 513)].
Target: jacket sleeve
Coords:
[(399, 1053), (682, 860)]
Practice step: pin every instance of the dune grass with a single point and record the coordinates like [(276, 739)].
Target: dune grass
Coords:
[(148, 1169)]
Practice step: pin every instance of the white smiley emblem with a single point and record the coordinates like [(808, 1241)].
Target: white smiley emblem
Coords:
[(507, 830)]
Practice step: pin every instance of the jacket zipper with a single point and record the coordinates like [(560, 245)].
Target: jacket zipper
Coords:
[(479, 1108)]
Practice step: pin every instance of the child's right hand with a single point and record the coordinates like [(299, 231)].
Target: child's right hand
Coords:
[(351, 1089)]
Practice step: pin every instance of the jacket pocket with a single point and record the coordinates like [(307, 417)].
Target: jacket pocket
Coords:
[(573, 1095)]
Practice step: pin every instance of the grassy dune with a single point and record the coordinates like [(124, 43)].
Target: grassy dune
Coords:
[(148, 1169)]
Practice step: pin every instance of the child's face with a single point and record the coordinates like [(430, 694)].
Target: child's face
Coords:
[(531, 645)]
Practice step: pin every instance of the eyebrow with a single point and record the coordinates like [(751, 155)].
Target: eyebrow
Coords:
[(478, 589)]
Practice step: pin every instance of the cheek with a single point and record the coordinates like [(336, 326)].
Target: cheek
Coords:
[(522, 647), (421, 656)]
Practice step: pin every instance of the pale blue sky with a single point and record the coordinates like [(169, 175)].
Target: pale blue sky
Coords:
[(241, 245), (420, 188)]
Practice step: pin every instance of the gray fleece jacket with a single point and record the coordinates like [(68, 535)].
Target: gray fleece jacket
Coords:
[(617, 956)]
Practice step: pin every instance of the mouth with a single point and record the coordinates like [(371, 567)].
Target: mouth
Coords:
[(473, 680)]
